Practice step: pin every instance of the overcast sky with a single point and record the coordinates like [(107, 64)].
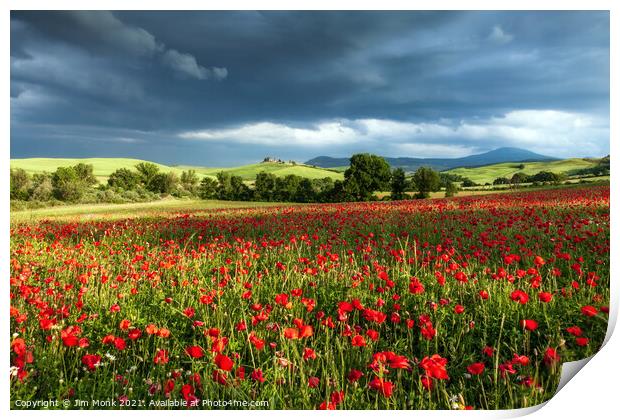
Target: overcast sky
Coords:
[(226, 88)]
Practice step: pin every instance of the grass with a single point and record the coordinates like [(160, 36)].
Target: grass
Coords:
[(489, 173), (81, 212)]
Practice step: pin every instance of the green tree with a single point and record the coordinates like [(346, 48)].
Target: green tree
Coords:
[(20, 184), (148, 173), (451, 189), (468, 183), (124, 178), (502, 180), (42, 188), (239, 191), (366, 174), (189, 181), (425, 180), (265, 186), (286, 187), (164, 183), (67, 186), (85, 173), (305, 192), (224, 188), (208, 188), (398, 184), (518, 178)]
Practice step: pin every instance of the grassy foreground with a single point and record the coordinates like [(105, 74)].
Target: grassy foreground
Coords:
[(79, 212)]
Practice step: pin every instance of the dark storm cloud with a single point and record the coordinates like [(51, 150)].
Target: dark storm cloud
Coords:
[(229, 87)]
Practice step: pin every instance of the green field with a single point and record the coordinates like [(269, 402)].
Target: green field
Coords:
[(249, 172), (489, 173), (103, 167), (79, 212)]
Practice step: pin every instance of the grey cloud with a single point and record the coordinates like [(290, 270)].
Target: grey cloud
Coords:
[(107, 33), (186, 65), (298, 69)]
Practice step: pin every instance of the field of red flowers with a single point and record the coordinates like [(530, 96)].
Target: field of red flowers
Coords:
[(470, 302)]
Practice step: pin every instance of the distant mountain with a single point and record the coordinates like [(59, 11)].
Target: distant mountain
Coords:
[(503, 154)]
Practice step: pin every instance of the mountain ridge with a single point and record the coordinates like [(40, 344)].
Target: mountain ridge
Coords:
[(499, 155)]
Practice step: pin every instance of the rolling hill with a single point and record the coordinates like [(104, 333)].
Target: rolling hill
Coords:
[(249, 172), (489, 173), (103, 167), (504, 154)]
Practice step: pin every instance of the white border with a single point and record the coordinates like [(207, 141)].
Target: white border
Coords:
[(592, 394)]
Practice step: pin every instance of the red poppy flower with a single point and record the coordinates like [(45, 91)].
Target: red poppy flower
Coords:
[(589, 311), (551, 356), (91, 361), (313, 382), (582, 341), (435, 366), (194, 352), (119, 343), (385, 387), (545, 297), (161, 357), (358, 341), (529, 324), (574, 330), (354, 375), (257, 376), (519, 296), (476, 368), (224, 362)]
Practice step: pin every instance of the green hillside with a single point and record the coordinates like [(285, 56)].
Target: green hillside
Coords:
[(103, 167), (489, 173), (249, 172)]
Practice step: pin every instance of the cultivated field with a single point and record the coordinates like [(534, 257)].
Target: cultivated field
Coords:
[(489, 173), (470, 302)]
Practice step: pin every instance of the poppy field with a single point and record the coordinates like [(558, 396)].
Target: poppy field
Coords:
[(462, 303)]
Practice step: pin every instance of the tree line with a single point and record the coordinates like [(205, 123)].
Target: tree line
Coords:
[(366, 175)]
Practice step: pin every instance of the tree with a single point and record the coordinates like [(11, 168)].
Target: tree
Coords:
[(224, 188), (502, 180), (84, 173), (42, 188), (305, 192), (124, 178), (322, 186), (468, 183), (265, 186), (338, 194), (518, 178), (286, 187), (398, 184), (208, 188), (366, 174), (67, 186), (239, 191), (426, 180), (189, 180), (148, 172), (164, 183), (20, 184), (451, 189)]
